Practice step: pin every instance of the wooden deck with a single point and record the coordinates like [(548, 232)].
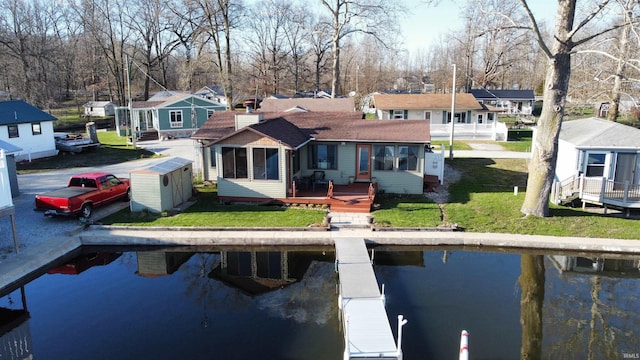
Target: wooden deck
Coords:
[(356, 197)]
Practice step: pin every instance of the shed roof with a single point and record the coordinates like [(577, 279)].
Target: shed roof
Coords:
[(164, 167), (424, 101), (321, 126), (19, 112), (594, 132)]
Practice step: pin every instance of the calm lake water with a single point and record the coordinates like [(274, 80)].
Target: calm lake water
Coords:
[(180, 304)]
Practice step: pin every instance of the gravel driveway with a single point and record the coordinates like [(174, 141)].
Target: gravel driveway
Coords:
[(34, 228)]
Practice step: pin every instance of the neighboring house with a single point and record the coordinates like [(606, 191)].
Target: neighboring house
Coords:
[(8, 152), (260, 156), (598, 162), (165, 94), (519, 102), (99, 108), (307, 104), (177, 116), (27, 128), (213, 92), (471, 118)]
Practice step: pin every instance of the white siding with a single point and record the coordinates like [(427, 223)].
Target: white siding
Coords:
[(33, 146), (567, 164)]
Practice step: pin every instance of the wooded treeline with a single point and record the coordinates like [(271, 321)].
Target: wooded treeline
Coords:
[(51, 51)]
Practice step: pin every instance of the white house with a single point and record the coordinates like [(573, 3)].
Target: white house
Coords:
[(519, 102), (471, 118), (213, 92), (28, 128), (99, 108), (598, 162)]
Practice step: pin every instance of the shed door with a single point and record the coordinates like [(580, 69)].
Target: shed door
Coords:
[(363, 162)]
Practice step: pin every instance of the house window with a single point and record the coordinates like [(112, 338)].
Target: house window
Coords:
[(36, 129), (383, 157), (13, 131), (234, 163), (265, 164), (209, 113), (175, 118), (480, 119), (212, 156), (296, 161), (408, 158), (323, 156), (399, 114), (427, 115), (460, 118), (595, 164), (491, 117)]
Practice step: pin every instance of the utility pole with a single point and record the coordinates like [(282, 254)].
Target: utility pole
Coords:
[(129, 103), (453, 112)]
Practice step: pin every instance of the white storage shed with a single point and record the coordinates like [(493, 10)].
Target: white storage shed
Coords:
[(163, 186)]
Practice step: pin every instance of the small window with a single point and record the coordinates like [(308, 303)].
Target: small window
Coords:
[(212, 152), (13, 131), (210, 112), (480, 119), (175, 118), (399, 114), (36, 129), (427, 115), (595, 164)]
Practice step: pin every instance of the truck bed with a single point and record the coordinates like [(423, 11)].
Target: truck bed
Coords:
[(67, 192)]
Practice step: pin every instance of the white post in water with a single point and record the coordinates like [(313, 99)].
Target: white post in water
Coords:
[(464, 345), (401, 323)]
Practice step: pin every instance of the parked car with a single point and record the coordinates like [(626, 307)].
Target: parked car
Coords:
[(83, 193)]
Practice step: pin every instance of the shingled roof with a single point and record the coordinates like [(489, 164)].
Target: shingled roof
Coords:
[(502, 94), (424, 101), (594, 132), (295, 128), (308, 104), (19, 112)]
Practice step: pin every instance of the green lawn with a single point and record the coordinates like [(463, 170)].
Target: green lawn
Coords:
[(483, 200), (208, 212), (113, 150)]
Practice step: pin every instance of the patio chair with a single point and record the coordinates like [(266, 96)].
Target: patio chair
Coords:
[(318, 179)]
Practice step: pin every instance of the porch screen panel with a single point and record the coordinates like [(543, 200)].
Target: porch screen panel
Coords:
[(265, 164), (384, 156), (234, 163), (408, 158)]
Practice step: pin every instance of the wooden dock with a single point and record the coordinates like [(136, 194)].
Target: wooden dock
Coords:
[(366, 327)]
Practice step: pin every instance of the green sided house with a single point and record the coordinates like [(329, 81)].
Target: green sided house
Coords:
[(334, 158), (177, 116)]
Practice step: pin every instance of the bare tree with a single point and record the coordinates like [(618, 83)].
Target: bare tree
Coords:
[(151, 23), (623, 50), (320, 44), (558, 51), (216, 19), (375, 18)]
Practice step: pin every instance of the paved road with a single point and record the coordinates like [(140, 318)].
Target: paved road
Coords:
[(34, 228)]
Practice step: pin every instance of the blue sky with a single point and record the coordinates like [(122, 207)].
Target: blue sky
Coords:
[(425, 24)]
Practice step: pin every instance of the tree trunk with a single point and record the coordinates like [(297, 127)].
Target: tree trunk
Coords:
[(545, 149), (335, 83), (531, 303), (623, 43)]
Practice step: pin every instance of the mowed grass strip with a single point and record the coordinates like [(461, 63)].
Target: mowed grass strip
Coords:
[(483, 200), (208, 212), (406, 211)]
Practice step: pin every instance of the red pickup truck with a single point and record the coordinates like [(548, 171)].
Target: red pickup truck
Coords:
[(83, 193)]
